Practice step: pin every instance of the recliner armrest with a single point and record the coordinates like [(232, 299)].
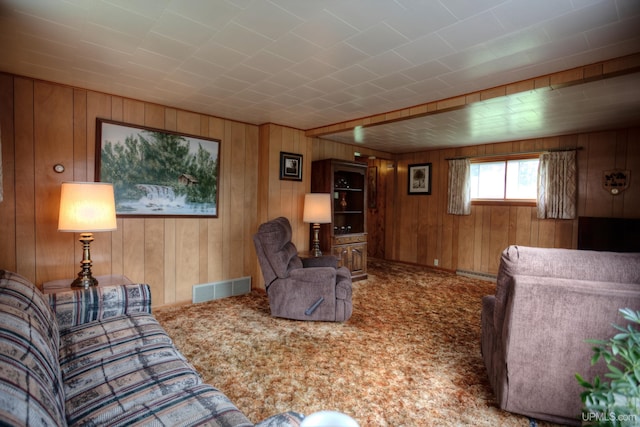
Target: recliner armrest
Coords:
[(319, 275), (321, 261)]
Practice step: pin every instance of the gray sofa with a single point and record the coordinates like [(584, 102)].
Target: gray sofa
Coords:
[(547, 303), (98, 357)]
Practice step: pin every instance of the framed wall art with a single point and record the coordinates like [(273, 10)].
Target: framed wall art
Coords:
[(290, 166), (419, 178), (158, 172)]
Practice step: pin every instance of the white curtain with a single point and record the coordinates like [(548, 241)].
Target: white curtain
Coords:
[(557, 185), (459, 189)]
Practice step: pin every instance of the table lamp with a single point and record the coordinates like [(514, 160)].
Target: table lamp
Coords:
[(317, 210), (85, 208)]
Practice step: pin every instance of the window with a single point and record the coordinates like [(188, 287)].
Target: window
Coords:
[(512, 179)]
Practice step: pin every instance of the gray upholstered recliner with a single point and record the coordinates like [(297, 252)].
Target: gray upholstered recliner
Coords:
[(301, 289)]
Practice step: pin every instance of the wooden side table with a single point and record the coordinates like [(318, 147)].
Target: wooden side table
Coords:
[(62, 285)]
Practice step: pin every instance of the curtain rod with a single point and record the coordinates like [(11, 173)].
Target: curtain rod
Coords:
[(549, 150)]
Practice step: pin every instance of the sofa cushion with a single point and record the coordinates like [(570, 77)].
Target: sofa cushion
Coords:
[(30, 391), (194, 406), (114, 365)]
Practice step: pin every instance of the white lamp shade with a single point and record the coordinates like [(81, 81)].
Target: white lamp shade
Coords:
[(87, 207), (317, 208)]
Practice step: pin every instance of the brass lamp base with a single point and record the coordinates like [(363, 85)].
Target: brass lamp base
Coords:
[(315, 246), (85, 278)]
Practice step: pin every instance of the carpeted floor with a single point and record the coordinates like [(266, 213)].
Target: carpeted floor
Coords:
[(409, 355)]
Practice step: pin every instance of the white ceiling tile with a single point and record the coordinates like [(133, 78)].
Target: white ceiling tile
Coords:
[(354, 74), (304, 92), (151, 9), (324, 30), (517, 42), (424, 49), (229, 83), (363, 16), (614, 33), (268, 62), (201, 67), (472, 31), (196, 81), (386, 63), (216, 92), (421, 18), (341, 55), (148, 59), (328, 84), (182, 29), (289, 79), (391, 82), (164, 46), (119, 19), (109, 39), (212, 13), (515, 15), (248, 74), (292, 47), (304, 9), (377, 39), (340, 97), (241, 39), (313, 68), (593, 16), (278, 23), (219, 55), (267, 88), (463, 9), (426, 70)]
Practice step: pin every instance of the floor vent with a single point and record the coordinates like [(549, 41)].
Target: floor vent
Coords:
[(476, 275), (223, 289)]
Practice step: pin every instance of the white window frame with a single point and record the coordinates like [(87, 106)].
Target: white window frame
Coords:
[(504, 200)]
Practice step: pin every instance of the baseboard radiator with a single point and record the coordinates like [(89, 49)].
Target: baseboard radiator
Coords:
[(222, 289), (477, 275)]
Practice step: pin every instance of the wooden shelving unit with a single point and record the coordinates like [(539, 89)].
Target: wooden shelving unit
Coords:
[(346, 236)]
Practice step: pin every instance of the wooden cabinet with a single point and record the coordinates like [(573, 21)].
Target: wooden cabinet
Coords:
[(346, 236)]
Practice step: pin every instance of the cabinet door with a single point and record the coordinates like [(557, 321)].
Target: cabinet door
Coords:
[(342, 253), (354, 257), (358, 259)]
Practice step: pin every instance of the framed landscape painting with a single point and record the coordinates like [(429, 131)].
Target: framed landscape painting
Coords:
[(420, 179), (157, 172)]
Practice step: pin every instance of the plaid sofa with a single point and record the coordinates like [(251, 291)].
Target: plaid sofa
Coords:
[(98, 357)]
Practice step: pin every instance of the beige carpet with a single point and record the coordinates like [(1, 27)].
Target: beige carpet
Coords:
[(409, 355)]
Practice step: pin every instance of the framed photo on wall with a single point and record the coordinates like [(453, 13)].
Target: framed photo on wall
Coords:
[(419, 178), (156, 172), (290, 166)]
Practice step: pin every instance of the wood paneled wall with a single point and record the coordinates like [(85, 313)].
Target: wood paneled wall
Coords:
[(424, 231), (45, 123)]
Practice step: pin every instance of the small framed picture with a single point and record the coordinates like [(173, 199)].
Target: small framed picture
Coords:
[(290, 166), (420, 178)]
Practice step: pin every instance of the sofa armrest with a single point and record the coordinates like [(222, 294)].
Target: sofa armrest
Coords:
[(75, 307), (285, 419)]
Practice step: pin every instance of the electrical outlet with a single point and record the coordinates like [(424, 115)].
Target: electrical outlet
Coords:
[(435, 262)]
